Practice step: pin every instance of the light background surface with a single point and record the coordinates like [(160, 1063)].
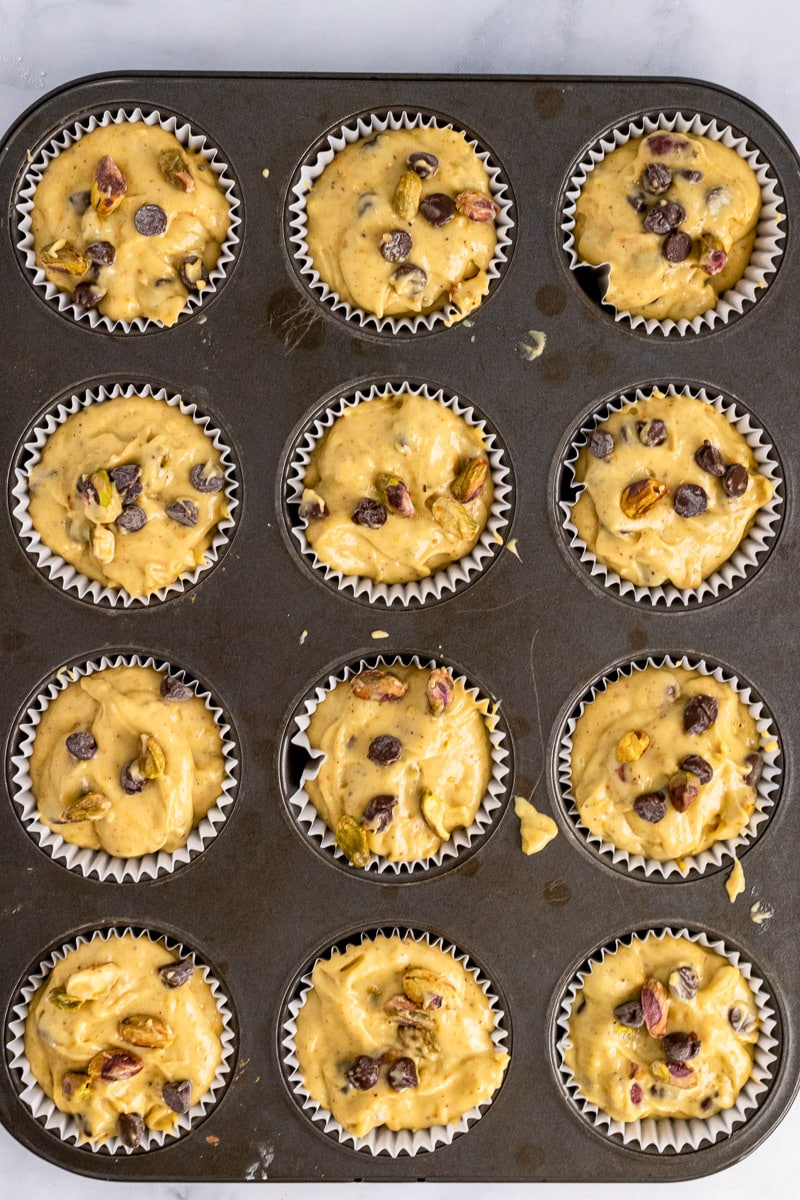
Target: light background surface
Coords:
[(751, 48)]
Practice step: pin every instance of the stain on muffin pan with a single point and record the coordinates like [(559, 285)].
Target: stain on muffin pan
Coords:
[(263, 625)]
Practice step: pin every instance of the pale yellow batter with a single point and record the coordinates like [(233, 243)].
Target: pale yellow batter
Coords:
[(536, 829), (395, 1001), (658, 545), (437, 782), (116, 707), (354, 204), (76, 1014), (96, 537), (647, 709), (422, 444), (624, 1070), (144, 278), (721, 210)]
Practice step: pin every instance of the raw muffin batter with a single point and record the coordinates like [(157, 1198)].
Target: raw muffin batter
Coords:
[(402, 222), (359, 523), (662, 1028), (674, 216), (129, 491), (407, 761), (680, 535), (129, 221), (126, 762), (124, 1036), (395, 1032), (665, 762)]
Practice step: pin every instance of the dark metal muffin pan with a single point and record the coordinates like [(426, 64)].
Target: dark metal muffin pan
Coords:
[(260, 901)]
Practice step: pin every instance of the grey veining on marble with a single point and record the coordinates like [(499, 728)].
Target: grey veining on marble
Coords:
[(752, 48)]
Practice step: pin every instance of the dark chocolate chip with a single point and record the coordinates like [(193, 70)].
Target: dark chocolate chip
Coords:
[(80, 201), (677, 246), (173, 688), (201, 482), (150, 220), (735, 480), (87, 295), (740, 1022), (131, 1129), (403, 1074), (183, 511), (193, 272), (101, 253), (650, 806), (600, 444), (425, 165), (370, 143), (697, 766), (756, 764), (651, 433), (132, 519), (709, 459), (396, 246), (691, 176), (437, 209), (700, 713), (131, 784), (379, 812), (656, 178), (680, 1047), (637, 201), (127, 480), (81, 745), (409, 280), (85, 487), (176, 974), (178, 1095), (636, 1093), (630, 1013), (363, 1072), (366, 202), (385, 750), (689, 500), (663, 143), (664, 216), (370, 513)]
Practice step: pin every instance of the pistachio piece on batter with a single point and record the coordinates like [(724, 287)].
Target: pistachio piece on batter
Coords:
[(142, 1030), (684, 788), (64, 1001), (379, 813), (175, 169), (61, 256), (440, 690), (655, 1006), (351, 838), (641, 495), (407, 196), (477, 206), (177, 1095), (453, 517), (103, 544), (375, 684), (108, 186), (395, 495), (427, 989), (152, 760), (75, 1085), (131, 1129), (631, 746), (684, 984), (421, 1042), (92, 982), (469, 484), (113, 1065), (92, 806), (433, 810), (312, 506)]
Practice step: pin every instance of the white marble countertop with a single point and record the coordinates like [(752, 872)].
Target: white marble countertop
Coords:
[(752, 48)]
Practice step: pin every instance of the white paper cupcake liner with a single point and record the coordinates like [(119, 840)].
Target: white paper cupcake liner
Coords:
[(443, 581), (383, 1140), (311, 824), (666, 1133), (716, 855), (747, 556), (766, 249), (64, 574), (64, 1125), (353, 130), (100, 863), (66, 138)]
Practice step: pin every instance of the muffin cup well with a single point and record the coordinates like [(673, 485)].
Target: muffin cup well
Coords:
[(312, 825), (748, 555), (64, 574), (447, 579), (667, 1134), (63, 1125), (767, 790), (766, 249), (383, 1140), (360, 126), (65, 138), (99, 863)]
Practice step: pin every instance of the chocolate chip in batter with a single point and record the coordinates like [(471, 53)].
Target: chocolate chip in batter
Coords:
[(193, 273), (101, 253), (601, 445), (700, 713), (663, 143), (650, 806), (132, 519), (425, 165), (735, 480), (385, 750), (127, 480), (637, 201), (87, 295), (651, 433), (709, 459), (366, 202), (403, 1074), (756, 764), (203, 481), (369, 513), (630, 1013), (437, 209), (176, 974), (677, 246), (81, 745), (177, 1095), (690, 176), (80, 201), (150, 220), (664, 216), (183, 511), (130, 1127), (396, 246), (131, 784), (379, 813), (363, 1072), (740, 1022), (173, 688), (689, 500), (680, 1047), (409, 280), (656, 178), (698, 766)]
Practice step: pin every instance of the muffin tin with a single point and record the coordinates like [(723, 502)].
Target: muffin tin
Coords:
[(259, 904)]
